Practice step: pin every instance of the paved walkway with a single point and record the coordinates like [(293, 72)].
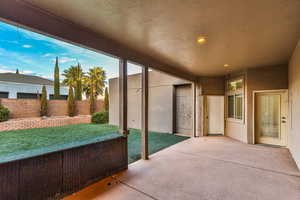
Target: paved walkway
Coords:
[(209, 168)]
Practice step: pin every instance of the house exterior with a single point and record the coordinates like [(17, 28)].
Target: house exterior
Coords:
[(21, 86)]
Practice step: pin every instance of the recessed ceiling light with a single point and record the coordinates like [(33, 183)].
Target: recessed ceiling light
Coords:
[(201, 40), (226, 65)]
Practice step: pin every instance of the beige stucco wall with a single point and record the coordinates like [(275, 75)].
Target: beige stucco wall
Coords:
[(206, 86), (262, 78), (294, 105), (212, 85), (265, 78), (160, 101)]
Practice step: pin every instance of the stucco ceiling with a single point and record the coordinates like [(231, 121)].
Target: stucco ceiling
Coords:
[(241, 33)]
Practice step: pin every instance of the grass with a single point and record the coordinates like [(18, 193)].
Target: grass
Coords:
[(17, 142)]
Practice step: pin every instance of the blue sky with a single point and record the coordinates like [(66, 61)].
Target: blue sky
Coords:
[(35, 54)]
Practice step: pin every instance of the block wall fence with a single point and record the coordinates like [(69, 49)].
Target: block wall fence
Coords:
[(28, 108)]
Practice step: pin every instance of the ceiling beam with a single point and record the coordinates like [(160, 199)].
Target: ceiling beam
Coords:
[(24, 14)]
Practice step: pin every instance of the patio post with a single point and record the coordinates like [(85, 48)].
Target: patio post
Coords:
[(194, 109), (145, 94), (123, 97)]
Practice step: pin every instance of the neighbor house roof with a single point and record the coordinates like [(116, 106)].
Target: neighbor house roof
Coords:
[(22, 78)]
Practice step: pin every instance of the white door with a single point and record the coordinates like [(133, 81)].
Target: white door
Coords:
[(271, 117), (215, 115)]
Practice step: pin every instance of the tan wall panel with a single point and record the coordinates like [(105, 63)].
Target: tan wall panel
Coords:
[(294, 105)]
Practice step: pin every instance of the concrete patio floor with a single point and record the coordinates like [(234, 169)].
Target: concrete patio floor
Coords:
[(207, 168)]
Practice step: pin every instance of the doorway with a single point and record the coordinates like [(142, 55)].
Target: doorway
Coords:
[(270, 112), (215, 115)]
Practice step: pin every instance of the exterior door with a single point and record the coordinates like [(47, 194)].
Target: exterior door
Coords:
[(271, 118), (215, 115), (183, 109)]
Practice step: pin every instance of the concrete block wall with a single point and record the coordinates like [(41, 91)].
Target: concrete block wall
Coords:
[(22, 108), (26, 108), (42, 123)]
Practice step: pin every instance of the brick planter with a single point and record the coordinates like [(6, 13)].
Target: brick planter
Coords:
[(27, 123)]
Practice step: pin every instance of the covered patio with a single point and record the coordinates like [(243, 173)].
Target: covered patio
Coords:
[(204, 168), (246, 52)]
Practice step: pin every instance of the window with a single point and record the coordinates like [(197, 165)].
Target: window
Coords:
[(3, 94), (235, 99), (239, 106), (61, 97), (231, 106), (236, 85), (21, 95)]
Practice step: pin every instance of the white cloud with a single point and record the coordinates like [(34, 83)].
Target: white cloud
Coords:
[(20, 59), (64, 60), (47, 55), (27, 46)]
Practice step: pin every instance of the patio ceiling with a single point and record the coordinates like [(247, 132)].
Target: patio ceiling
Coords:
[(242, 34)]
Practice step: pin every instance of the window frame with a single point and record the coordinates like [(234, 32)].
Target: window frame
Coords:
[(238, 93)]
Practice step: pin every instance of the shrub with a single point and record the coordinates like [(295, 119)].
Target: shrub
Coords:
[(92, 104), (44, 104), (71, 103), (4, 114), (100, 117)]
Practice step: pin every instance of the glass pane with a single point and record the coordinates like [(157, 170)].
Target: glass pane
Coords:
[(235, 85), (239, 107), (268, 116), (239, 84), (231, 106)]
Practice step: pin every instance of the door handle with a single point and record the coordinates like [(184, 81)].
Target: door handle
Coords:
[(283, 121)]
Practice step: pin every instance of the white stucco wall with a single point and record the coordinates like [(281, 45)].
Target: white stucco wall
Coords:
[(14, 88), (160, 101), (294, 105)]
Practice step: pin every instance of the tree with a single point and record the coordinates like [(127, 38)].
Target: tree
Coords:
[(92, 104), (94, 84), (44, 103), (79, 80), (17, 71), (71, 103), (106, 100), (56, 80), (74, 78)]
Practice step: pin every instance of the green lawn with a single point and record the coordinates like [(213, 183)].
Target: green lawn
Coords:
[(23, 143)]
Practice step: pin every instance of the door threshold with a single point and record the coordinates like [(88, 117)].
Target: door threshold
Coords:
[(270, 145), (215, 135)]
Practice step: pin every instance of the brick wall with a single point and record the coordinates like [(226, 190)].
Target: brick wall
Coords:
[(22, 108), (28, 123), (28, 108), (57, 108)]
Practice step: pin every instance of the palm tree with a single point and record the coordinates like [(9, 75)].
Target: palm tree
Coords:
[(74, 78), (94, 84)]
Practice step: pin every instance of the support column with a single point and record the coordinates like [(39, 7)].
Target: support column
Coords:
[(194, 109), (145, 95), (123, 97)]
